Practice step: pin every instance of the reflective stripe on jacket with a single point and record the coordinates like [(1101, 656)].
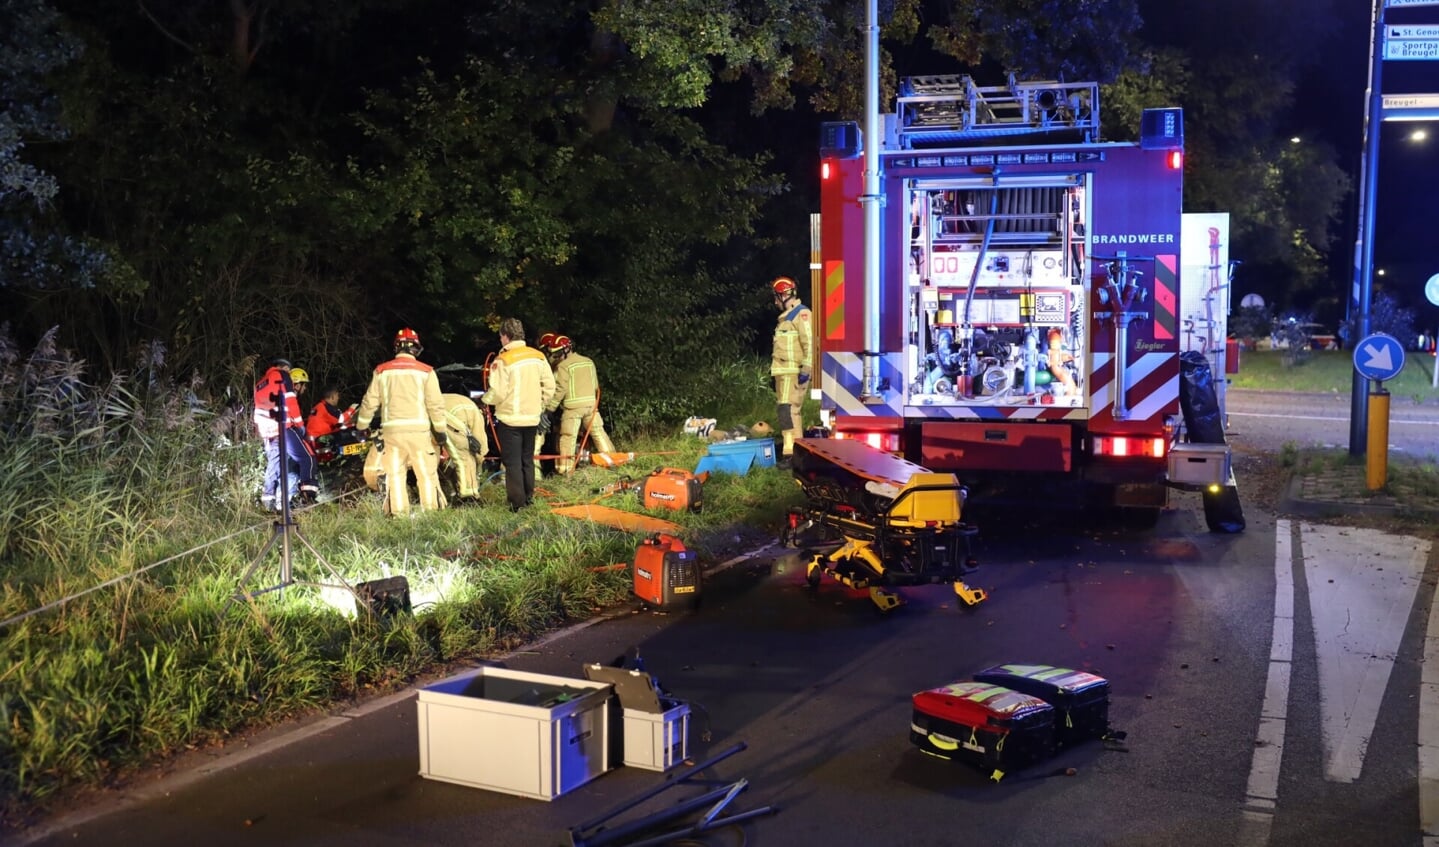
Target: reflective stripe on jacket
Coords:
[(792, 342), (576, 383), (406, 394), (274, 389), (521, 385)]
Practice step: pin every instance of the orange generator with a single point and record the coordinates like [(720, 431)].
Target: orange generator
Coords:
[(666, 575), (673, 488)]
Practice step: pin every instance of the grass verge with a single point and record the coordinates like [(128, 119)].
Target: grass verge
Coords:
[(148, 498), (1329, 372)]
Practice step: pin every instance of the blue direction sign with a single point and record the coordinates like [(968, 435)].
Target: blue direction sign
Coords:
[(1379, 356)]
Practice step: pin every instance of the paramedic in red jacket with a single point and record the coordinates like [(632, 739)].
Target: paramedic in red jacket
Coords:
[(327, 418), (277, 418)]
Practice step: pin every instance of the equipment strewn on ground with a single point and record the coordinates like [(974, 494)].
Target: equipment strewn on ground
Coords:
[(616, 518), (1019, 314), (675, 823), (897, 523), (675, 489), (1011, 716), (665, 575)]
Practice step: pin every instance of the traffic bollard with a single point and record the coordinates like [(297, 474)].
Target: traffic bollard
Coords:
[(1376, 454)]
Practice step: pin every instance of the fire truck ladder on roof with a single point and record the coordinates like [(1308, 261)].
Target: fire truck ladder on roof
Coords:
[(941, 110)]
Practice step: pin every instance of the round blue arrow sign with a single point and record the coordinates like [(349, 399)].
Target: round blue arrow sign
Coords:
[(1379, 356)]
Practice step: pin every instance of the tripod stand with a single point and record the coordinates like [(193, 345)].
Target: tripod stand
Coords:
[(285, 531)]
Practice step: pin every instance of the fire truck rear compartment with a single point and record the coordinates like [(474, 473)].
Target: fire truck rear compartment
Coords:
[(997, 291), (985, 446)]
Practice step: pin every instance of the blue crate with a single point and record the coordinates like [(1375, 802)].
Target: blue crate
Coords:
[(737, 457)]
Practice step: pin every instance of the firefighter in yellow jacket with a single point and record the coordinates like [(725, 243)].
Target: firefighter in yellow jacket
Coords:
[(465, 429), (577, 390), (406, 394), (521, 387), (790, 365)]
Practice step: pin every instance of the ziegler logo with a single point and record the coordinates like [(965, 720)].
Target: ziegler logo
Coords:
[(1146, 346)]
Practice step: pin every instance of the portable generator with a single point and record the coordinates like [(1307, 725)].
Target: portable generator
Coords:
[(666, 575)]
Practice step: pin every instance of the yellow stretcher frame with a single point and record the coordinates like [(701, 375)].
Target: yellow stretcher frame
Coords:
[(904, 508)]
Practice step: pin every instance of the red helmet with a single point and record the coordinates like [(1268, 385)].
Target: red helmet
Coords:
[(407, 341), (545, 341), (783, 287), (561, 345)]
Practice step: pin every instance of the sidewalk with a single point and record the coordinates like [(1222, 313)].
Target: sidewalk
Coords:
[(1335, 491)]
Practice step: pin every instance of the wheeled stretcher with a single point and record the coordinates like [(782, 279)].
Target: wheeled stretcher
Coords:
[(898, 523)]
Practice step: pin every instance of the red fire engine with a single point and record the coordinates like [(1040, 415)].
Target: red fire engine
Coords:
[(1026, 322)]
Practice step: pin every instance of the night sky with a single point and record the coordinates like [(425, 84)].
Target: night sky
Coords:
[(1331, 104)]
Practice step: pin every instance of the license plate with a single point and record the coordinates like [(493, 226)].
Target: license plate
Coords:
[(354, 449)]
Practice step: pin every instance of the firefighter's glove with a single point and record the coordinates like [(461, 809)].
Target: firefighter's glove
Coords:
[(546, 423), (439, 437), (475, 446), (803, 378)]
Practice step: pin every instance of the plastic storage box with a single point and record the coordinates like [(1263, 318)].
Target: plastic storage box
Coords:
[(655, 727), (1199, 464), (737, 457), (519, 733)]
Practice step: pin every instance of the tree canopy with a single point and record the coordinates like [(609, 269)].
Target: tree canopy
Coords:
[(242, 179)]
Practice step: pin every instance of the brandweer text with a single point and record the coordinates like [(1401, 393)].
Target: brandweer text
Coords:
[(1136, 238)]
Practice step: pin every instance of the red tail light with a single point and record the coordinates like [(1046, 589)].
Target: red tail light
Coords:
[(1145, 446), (824, 170), (886, 441), (1175, 160)]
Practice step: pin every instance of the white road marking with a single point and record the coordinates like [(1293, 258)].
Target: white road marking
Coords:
[(1429, 727), (1263, 791), (1362, 585), (1344, 419)]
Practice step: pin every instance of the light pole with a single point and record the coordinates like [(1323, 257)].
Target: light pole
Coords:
[(1362, 292)]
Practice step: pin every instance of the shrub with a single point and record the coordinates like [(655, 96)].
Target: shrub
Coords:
[(1386, 315)]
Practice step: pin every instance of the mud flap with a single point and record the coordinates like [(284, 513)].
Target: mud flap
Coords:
[(1222, 511)]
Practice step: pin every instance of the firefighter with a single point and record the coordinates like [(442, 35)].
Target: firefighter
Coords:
[(790, 365), (465, 431), (277, 418), (406, 394), (521, 387), (301, 378), (545, 436), (577, 389)]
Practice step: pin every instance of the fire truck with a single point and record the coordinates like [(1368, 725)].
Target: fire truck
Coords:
[(1028, 297)]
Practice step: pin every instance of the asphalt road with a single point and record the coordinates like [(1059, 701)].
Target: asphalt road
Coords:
[(1273, 418), (817, 684)]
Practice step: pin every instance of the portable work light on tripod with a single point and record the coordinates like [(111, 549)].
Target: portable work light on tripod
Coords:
[(285, 531)]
